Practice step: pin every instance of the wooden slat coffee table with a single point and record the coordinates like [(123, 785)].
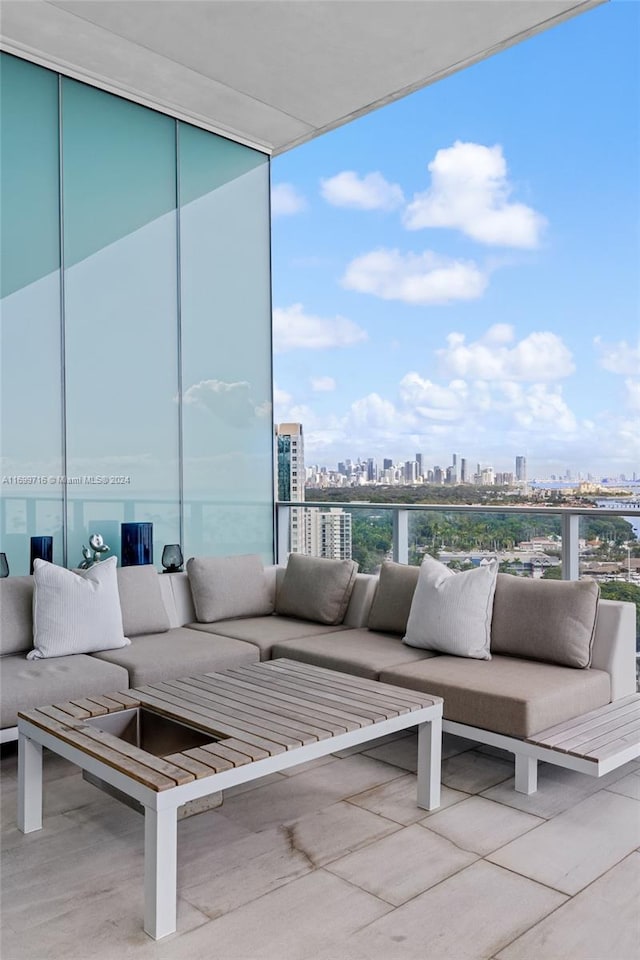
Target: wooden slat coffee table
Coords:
[(168, 743)]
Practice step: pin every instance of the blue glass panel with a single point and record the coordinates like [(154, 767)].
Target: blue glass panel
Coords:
[(31, 366), (121, 317), (226, 346)]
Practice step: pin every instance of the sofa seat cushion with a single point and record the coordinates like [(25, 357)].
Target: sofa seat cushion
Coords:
[(505, 694), (25, 684), (265, 631), (179, 652), (360, 651)]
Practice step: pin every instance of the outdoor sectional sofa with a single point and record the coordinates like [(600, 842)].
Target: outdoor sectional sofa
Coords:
[(502, 701)]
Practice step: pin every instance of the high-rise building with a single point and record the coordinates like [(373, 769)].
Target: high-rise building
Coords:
[(420, 464), (521, 469), (326, 533), (372, 470), (410, 471), (454, 468), (291, 476), (464, 477), (387, 464)]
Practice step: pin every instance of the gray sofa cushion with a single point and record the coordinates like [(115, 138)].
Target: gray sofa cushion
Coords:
[(265, 631), (25, 684), (179, 652), (226, 587), (549, 620), (16, 621), (392, 602), (504, 694), (317, 589), (141, 601), (360, 651)]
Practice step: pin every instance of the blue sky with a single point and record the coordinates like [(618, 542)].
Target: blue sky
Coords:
[(458, 271)]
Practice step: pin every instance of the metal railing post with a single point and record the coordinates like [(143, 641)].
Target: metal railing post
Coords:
[(570, 526), (401, 535), (283, 533)]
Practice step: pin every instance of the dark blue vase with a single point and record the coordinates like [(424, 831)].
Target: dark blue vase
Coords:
[(41, 549), (137, 544)]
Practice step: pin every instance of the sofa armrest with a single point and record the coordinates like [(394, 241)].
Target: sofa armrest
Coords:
[(614, 645), (176, 595)]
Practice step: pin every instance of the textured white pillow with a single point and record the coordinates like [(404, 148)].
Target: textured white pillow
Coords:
[(451, 612), (75, 613)]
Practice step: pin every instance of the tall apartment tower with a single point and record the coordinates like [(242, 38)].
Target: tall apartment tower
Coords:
[(454, 467), (521, 469), (464, 476), (327, 533), (420, 464), (291, 476)]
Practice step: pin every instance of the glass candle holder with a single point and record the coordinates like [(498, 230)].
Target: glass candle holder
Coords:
[(172, 558)]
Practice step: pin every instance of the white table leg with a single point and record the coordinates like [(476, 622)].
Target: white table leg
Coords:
[(160, 871), (526, 774), (429, 763), (29, 784)]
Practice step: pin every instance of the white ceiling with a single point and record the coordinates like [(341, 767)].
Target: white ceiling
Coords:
[(270, 73)]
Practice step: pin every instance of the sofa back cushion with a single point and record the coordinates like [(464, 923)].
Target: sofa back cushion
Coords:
[(315, 588), (224, 588), (16, 623), (75, 612), (392, 601), (143, 610), (549, 620), (451, 612)]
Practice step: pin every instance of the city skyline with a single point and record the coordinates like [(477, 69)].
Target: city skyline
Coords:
[(458, 271)]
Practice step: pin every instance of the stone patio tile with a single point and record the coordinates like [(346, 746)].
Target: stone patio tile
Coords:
[(578, 845), (396, 800), (470, 916), (88, 907), (379, 742), (600, 922), (309, 765), (291, 923), (628, 786), (241, 871), (335, 831), (474, 772), (251, 785), (480, 825), (404, 753), (402, 865), (293, 797), (558, 790)]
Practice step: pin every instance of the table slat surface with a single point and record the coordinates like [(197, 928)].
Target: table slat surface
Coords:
[(251, 713)]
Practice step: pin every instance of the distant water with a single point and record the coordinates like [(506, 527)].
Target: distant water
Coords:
[(633, 485)]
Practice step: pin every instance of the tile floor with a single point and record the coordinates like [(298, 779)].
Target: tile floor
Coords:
[(334, 861)]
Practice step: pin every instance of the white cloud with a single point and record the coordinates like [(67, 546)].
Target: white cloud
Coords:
[(541, 356), (371, 192), (280, 397), (470, 192), (416, 278), (230, 402), (323, 384), (433, 401), (620, 357), (294, 329), (286, 200), (633, 396), (541, 409)]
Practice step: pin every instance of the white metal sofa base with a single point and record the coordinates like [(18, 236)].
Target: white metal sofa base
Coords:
[(595, 743)]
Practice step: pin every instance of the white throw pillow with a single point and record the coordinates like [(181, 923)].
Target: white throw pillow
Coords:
[(75, 612), (451, 612)]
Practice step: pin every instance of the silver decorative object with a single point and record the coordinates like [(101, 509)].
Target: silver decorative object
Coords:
[(93, 555)]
